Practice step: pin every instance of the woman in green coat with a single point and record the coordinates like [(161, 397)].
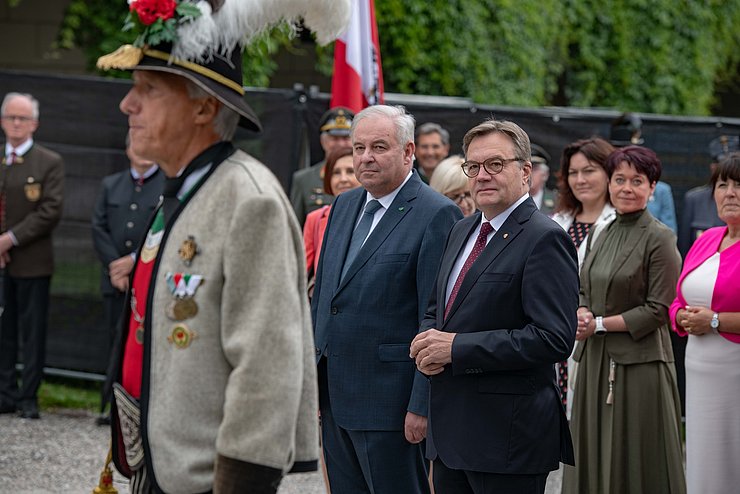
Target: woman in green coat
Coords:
[(626, 411)]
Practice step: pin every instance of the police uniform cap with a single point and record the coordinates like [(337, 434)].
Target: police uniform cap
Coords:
[(723, 145), (539, 155), (337, 121), (625, 130)]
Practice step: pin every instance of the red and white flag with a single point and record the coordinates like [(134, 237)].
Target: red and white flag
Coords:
[(358, 76)]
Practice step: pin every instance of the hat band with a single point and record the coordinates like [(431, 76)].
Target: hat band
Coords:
[(195, 68)]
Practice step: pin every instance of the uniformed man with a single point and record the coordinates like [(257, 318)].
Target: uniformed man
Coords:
[(307, 187), (543, 197), (31, 193), (216, 387), (699, 208), (126, 201)]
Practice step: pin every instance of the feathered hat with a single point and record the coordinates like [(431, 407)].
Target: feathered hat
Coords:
[(202, 40)]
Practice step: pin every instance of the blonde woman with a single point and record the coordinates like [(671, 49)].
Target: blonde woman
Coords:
[(450, 181)]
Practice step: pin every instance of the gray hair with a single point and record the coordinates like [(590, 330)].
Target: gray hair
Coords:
[(226, 119), (448, 175), (403, 121), (34, 103), (522, 148), (433, 128)]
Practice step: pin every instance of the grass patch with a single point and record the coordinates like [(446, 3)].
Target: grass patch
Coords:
[(69, 393)]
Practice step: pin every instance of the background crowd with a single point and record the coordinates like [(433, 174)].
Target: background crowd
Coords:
[(621, 387)]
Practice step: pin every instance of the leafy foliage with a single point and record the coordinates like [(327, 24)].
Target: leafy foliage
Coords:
[(662, 56)]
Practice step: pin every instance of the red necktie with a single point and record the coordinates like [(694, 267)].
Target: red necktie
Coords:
[(480, 244)]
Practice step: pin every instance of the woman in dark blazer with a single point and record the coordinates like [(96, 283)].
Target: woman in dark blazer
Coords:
[(626, 412)]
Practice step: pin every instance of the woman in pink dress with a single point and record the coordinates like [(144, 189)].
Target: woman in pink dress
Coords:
[(707, 309)]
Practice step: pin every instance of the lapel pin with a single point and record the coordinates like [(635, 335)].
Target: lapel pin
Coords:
[(401, 208), (188, 250), (506, 235)]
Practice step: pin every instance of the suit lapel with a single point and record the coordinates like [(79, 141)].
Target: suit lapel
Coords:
[(454, 249), (399, 208), (511, 228)]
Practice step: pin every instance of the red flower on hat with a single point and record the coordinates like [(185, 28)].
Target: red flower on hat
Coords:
[(151, 10)]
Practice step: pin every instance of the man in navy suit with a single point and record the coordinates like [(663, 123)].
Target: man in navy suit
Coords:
[(503, 313), (380, 254)]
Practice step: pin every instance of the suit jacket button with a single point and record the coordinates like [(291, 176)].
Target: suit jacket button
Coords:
[(318, 351), (334, 311), (129, 243)]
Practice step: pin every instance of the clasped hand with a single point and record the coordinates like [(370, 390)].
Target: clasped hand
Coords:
[(432, 350), (695, 320), (586, 324)]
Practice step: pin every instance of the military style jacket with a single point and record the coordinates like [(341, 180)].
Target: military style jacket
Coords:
[(34, 190)]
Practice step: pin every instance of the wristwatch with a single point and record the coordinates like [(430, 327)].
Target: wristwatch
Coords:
[(714, 323), (600, 329)]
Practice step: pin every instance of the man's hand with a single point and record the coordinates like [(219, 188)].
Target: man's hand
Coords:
[(4, 260), (586, 324), (415, 428), (432, 350), (6, 243), (119, 270)]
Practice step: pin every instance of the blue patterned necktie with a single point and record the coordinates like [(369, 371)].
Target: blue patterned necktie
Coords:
[(360, 234)]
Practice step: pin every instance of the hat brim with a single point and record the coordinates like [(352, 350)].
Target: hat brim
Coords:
[(247, 117)]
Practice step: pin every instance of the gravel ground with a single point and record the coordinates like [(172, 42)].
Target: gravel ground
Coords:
[(64, 452)]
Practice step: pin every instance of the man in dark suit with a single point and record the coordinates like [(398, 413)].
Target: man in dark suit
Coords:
[(503, 313), (382, 246), (126, 201), (307, 185), (31, 193)]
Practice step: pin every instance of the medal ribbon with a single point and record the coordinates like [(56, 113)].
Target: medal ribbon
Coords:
[(183, 284)]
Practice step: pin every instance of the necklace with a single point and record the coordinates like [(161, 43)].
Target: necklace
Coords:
[(138, 318)]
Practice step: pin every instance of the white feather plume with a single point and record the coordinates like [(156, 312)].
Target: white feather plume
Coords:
[(238, 22)]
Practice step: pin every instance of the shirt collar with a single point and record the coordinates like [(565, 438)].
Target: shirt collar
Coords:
[(150, 171), (387, 199), (20, 150), (498, 221)]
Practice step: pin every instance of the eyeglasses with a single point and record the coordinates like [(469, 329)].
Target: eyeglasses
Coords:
[(492, 165), (20, 118), (458, 198)]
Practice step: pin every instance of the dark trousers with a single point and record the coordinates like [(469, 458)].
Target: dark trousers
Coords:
[(368, 462), (449, 481), (113, 307), (25, 319)]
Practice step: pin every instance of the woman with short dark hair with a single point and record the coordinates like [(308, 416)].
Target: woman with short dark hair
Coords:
[(626, 410)]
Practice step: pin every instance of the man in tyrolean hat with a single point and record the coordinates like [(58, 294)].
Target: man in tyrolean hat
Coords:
[(216, 389)]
